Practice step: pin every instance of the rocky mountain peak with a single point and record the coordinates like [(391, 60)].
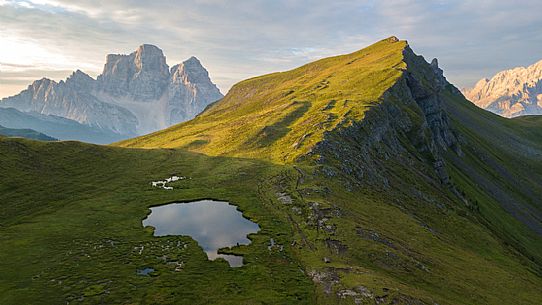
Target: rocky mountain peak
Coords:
[(190, 79), (42, 81), (80, 80), (434, 63), (510, 93), (135, 94), (149, 50), (142, 75), (190, 71), (42, 85), (392, 39), (150, 58), (192, 60), (78, 73)]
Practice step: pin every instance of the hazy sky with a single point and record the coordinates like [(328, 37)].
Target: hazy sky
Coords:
[(244, 38)]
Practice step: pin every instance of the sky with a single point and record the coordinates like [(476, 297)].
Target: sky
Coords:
[(239, 39)]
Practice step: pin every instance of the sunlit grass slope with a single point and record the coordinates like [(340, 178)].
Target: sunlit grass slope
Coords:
[(366, 220), (282, 115)]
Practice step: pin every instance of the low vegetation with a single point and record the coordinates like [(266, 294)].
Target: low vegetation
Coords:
[(392, 230)]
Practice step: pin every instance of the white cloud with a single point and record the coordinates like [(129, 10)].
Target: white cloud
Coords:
[(239, 39), (18, 53)]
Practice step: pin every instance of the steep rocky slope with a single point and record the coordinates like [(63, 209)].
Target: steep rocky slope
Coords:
[(510, 93), (135, 94)]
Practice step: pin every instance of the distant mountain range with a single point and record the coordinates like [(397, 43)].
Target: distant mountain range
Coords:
[(56, 126), (510, 93), (25, 133), (135, 94)]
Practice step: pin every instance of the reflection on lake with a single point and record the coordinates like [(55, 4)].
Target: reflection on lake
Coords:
[(213, 224)]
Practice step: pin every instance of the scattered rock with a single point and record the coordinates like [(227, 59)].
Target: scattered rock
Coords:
[(374, 236), (343, 294), (284, 198), (336, 246), (326, 278), (364, 292), (273, 245)]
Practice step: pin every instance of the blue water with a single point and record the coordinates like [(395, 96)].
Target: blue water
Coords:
[(213, 224), (145, 271)]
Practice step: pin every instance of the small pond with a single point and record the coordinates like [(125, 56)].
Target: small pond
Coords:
[(145, 271), (213, 224)]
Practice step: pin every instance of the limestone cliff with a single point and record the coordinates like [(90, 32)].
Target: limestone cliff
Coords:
[(510, 93), (135, 94)]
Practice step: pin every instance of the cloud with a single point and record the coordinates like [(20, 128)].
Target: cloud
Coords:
[(240, 39)]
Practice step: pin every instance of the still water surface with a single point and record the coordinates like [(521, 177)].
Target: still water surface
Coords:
[(213, 224)]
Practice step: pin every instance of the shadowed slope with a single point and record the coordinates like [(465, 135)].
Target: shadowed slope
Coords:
[(25, 133)]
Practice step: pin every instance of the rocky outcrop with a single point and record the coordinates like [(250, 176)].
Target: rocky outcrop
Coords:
[(409, 121), (73, 99), (134, 95), (510, 93), (189, 82), (143, 75)]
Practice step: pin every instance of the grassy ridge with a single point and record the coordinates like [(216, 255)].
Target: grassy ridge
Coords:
[(280, 116), (70, 223)]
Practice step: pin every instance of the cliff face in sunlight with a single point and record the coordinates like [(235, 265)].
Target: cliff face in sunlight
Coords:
[(510, 93), (135, 94)]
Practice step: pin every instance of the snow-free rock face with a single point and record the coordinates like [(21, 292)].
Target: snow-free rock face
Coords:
[(135, 94), (510, 93), (189, 82), (142, 75), (73, 99)]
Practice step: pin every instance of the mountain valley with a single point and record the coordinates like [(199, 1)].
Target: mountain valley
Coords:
[(373, 180)]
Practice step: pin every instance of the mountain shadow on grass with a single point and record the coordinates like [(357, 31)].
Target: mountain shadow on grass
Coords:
[(272, 133), (196, 144)]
